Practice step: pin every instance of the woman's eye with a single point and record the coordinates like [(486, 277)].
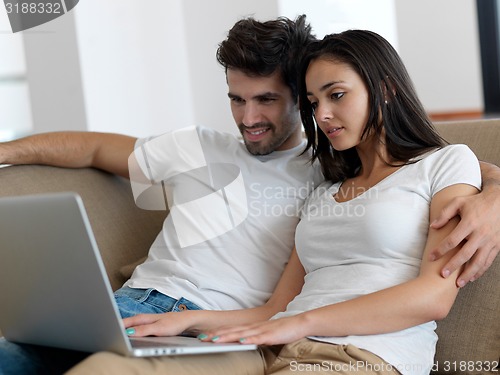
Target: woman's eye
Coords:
[(337, 95), (314, 106)]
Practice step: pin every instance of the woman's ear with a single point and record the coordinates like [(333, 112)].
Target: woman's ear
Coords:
[(388, 89)]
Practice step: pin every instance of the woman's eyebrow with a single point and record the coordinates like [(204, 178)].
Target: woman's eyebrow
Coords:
[(326, 86)]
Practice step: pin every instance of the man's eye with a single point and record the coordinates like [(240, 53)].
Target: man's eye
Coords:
[(267, 100), (236, 100)]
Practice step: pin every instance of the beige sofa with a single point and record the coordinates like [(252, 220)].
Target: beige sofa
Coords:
[(469, 337)]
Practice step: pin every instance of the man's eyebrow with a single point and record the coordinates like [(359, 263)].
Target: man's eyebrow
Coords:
[(265, 95), (233, 96)]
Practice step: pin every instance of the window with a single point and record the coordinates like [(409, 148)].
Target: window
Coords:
[(488, 13)]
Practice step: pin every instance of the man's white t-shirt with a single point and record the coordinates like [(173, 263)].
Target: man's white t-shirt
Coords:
[(232, 216), (376, 241)]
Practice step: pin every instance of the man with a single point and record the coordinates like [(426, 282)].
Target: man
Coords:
[(233, 259)]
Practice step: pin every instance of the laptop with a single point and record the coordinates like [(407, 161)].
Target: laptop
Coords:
[(54, 288)]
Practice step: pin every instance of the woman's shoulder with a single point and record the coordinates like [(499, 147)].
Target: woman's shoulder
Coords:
[(448, 154), (452, 164)]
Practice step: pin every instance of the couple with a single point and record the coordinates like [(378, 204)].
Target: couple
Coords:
[(349, 280)]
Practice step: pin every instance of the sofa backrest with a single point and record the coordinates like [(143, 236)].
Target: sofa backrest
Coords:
[(482, 136)]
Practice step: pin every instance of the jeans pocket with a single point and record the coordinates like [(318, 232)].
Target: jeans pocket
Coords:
[(139, 295), (185, 304)]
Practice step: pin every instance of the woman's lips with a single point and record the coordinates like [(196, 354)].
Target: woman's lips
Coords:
[(334, 132)]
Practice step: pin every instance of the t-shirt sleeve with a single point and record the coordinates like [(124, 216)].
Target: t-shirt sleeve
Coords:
[(156, 160), (456, 164)]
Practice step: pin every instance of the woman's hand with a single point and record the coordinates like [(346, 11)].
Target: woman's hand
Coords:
[(271, 332), (167, 324)]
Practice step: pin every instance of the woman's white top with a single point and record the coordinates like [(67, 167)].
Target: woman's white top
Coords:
[(375, 241)]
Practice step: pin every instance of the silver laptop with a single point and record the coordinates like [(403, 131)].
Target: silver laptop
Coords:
[(54, 288)]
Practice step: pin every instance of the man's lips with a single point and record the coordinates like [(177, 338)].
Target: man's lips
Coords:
[(256, 134)]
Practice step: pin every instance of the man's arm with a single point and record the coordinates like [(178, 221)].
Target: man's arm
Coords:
[(479, 226), (105, 151)]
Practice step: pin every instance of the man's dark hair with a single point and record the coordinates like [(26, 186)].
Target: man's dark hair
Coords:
[(261, 48)]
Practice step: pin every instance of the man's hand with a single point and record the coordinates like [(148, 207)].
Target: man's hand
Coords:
[(479, 229)]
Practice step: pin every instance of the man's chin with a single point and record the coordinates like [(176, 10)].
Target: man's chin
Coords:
[(258, 149)]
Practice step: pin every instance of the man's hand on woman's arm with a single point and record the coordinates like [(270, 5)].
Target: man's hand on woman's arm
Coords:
[(479, 228)]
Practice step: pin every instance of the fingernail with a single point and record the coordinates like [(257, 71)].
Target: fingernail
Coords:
[(202, 336), (242, 340), (446, 273), (432, 257), (461, 283), (215, 338), (130, 331)]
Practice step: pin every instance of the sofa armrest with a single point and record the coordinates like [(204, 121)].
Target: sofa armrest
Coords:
[(469, 338)]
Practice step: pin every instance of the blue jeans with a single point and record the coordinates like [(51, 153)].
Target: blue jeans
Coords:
[(27, 359), (149, 301)]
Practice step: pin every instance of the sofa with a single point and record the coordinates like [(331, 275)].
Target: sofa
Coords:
[(469, 338)]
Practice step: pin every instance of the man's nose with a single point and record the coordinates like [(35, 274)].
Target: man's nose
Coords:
[(252, 115)]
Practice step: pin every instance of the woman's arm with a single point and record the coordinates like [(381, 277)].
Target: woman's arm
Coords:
[(193, 322), (479, 226), (428, 297)]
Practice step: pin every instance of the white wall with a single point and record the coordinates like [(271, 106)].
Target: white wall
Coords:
[(53, 74), (148, 69), (134, 70), (332, 16), (439, 42), (15, 113), (207, 24)]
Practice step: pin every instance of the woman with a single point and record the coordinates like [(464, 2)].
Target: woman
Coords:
[(366, 291)]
